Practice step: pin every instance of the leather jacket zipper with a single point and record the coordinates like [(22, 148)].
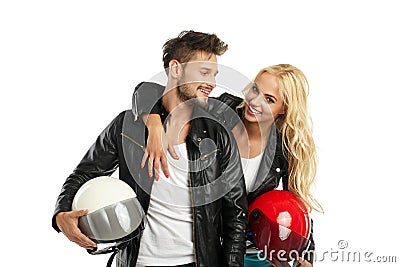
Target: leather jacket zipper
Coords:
[(136, 113), (133, 141), (203, 157), (193, 214)]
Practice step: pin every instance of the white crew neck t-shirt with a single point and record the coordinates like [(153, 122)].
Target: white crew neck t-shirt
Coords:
[(168, 236), (250, 169)]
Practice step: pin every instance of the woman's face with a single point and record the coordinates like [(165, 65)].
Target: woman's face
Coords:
[(263, 102)]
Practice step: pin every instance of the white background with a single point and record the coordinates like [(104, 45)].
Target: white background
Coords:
[(67, 68)]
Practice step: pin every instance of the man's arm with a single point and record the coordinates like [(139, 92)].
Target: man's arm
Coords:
[(101, 159)]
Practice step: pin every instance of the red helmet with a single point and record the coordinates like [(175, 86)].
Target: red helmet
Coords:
[(280, 224)]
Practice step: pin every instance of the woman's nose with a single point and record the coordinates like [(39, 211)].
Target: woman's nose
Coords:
[(256, 99)]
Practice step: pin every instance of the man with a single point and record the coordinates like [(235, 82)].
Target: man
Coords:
[(199, 217)]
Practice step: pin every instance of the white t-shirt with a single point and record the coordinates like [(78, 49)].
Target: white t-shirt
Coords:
[(250, 169), (168, 236)]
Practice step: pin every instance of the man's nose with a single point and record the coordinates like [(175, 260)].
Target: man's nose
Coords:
[(211, 83)]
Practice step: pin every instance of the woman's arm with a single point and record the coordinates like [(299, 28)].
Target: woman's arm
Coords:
[(146, 99), (157, 143), (146, 103)]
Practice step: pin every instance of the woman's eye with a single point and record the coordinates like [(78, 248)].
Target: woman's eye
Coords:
[(269, 99), (255, 89)]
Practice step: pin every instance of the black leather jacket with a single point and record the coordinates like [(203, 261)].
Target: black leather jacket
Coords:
[(274, 165), (223, 109), (219, 225)]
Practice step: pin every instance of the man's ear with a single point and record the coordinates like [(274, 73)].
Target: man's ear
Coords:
[(175, 69)]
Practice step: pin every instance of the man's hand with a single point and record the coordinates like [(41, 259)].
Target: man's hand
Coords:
[(68, 224), (157, 141)]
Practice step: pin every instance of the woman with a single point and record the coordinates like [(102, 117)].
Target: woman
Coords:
[(274, 138)]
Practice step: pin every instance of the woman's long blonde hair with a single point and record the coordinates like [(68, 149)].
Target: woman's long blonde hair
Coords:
[(295, 125)]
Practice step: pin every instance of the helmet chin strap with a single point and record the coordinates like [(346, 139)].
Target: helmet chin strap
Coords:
[(111, 249), (114, 249)]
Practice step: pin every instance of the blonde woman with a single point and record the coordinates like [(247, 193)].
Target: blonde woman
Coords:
[(274, 139)]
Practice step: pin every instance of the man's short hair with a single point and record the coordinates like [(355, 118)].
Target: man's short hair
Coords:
[(183, 47)]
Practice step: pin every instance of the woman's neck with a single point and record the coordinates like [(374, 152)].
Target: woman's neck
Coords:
[(257, 131), (251, 139)]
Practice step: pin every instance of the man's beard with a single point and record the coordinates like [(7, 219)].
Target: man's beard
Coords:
[(185, 93)]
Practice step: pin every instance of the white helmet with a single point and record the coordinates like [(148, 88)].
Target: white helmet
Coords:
[(114, 213)]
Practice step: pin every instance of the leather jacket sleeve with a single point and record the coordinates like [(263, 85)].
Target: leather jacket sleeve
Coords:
[(235, 208), (100, 160), (146, 98), (309, 249), (224, 109)]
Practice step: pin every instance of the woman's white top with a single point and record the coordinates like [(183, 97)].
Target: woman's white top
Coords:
[(250, 169)]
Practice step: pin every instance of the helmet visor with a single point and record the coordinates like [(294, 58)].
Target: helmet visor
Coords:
[(113, 223), (274, 240)]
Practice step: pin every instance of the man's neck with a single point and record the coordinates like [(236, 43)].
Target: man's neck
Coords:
[(180, 114), (173, 104), (170, 99)]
